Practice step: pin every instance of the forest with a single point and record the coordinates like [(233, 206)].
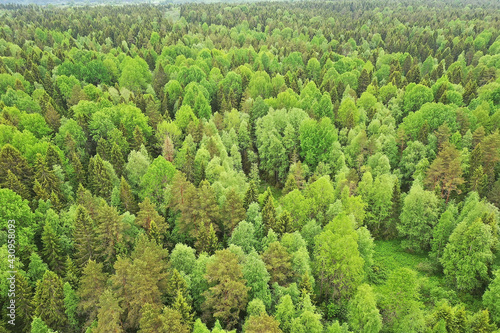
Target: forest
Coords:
[(264, 167)]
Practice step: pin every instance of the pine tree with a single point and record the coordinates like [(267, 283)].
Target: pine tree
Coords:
[(251, 195), (46, 179), (150, 320), (52, 253), (49, 301), (232, 211), (147, 214), (52, 157), (127, 197), (84, 237), (92, 285), (77, 168), (108, 316), (172, 321), (363, 81)]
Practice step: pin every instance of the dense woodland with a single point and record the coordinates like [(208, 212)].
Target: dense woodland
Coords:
[(261, 167)]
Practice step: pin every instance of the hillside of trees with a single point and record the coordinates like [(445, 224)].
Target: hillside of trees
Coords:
[(280, 167)]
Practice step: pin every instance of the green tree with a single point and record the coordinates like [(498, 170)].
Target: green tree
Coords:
[(135, 74), (52, 252), (92, 285), (84, 237), (49, 301), (491, 297), (228, 296), (467, 256), (418, 218), (262, 324), (108, 315), (71, 304), (257, 277), (446, 172), (278, 263), (362, 311), (232, 211), (338, 264)]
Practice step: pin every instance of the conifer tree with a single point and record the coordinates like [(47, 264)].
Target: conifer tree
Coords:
[(11, 159), (46, 179), (127, 197), (13, 183), (147, 215), (84, 237), (109, 313), (116, 159), (24, 304), (290, 184), (92, 285), (109, 233), (100, 179), (251, 195), (71, 305), (138, 139), (52, 253), (181, 304), (49, 301), (232, 211), (269, 213)]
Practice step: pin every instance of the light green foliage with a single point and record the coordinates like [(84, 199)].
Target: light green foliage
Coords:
[(257, 277), (337, 260), (156, 179), (418, 218), (416, 95), (316, 140), (183, 258), (244, 236), (135, 74), (362, 311), (467, 256), (491, 297)]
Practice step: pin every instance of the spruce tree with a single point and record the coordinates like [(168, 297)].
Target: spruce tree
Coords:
[(11, 159), (147, 214), (251, 195), (13, 183), (109, 234), (24, 304), (116, 159), (127, 197), (49, 301), (71, 305), (52, 252), (84, 237), (269, 213)]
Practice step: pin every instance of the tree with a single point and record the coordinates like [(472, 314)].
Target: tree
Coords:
[(109, 233), (24, 302), (11, 159), (278, 264), (148, 215), (251, 194), (467, 256), (228, 296), (52, 252), (262, 324), (418, 218), (244, 236), (362, 311), (135, 74), (337, 260), (446, 172), (71, 304), (400, 300), (84, 237), (183, 258), (156, 179), (127, 197), (49, 301), (316, 140), (232, 211), (441, 233), (92, 285), (108, 316), (99, 178), (257, 277), (491, 297)]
